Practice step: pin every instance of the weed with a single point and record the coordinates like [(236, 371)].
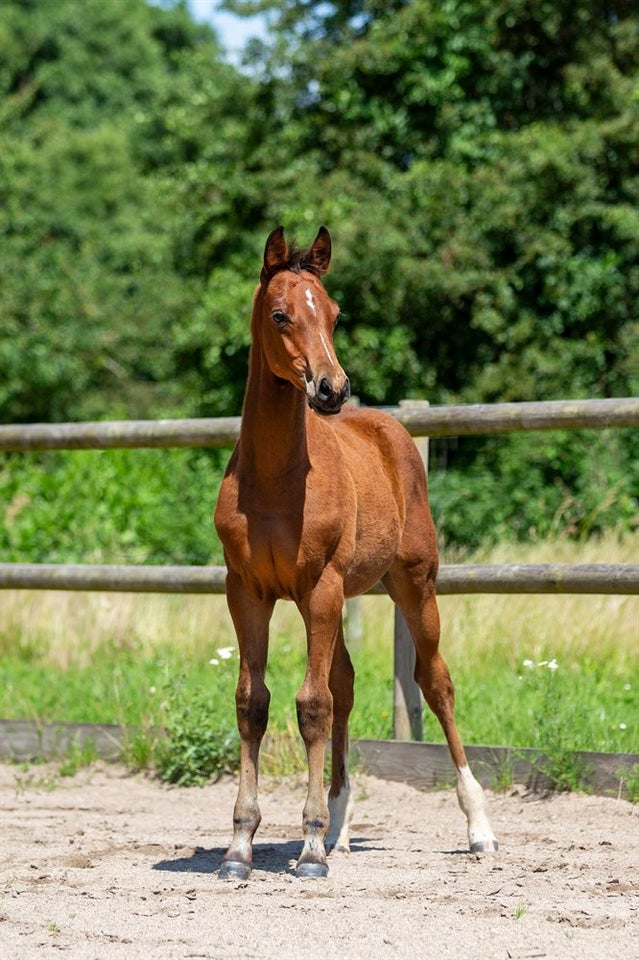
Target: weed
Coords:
[(503, 772), (195, 748), (629, 782), (282, 752), (29, 780), (140, 747), (519, 911), (81, 753), (556, 721)]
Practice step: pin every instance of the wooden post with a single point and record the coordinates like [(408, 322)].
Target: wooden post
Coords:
[(407, 697), (353, 623)]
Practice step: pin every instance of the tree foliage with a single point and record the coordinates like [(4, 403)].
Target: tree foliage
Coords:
[(476, 161)]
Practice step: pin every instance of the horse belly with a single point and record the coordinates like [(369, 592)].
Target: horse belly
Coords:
[(377, 534)]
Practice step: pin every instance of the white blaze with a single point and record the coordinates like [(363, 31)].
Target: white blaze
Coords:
[(328, 352), (310, 301), (311, 305)]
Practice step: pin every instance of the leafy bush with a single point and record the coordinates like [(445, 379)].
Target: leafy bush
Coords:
[(196, 748), (112, 506), (535, 486)]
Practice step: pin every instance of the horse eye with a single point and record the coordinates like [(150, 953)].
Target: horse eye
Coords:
[(338, 318), (280, 318)]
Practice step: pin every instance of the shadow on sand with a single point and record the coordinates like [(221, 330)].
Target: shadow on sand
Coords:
[(278, 857)]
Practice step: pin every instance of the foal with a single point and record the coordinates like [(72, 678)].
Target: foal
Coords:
[(319, 502)]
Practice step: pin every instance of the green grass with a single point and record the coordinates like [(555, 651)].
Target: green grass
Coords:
[(149, 661)]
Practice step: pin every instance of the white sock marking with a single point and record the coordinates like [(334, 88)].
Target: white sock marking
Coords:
[(341, 813), (471, 800)]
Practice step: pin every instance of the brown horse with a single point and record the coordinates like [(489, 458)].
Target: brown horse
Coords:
[(319, 502)]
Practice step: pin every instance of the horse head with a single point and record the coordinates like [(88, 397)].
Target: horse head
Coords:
[(297, 320)]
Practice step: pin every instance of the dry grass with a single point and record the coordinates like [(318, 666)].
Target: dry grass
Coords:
[(68, 627), (543, 626)]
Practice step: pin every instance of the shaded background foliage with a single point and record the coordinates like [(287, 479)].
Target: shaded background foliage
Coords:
[(477, 164)]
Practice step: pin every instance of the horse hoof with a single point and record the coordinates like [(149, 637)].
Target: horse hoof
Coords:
[(484, 846), (234, 870), (337, 848), (311, 869)]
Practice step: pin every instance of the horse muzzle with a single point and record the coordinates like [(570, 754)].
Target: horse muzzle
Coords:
[(325, 397)]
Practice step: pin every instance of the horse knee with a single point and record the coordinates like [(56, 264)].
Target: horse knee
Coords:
[(252, 705), (314, 713)]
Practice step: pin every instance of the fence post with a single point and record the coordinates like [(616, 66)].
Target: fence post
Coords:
[(407, 697), (353, 623)]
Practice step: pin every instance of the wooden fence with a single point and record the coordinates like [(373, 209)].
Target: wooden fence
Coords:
[(421, 420)]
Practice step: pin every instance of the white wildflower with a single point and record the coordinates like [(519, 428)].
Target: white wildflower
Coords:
[(623, 726), (214, 662), (552, 664), (529, 664), (225, 653)]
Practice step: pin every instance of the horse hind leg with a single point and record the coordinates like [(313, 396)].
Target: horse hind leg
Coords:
[(340, 800), (419, 605)]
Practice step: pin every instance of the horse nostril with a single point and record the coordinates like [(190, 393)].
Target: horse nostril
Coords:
[(324, 390), (346, 389)]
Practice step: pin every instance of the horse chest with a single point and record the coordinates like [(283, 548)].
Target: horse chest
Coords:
[(280, 552)]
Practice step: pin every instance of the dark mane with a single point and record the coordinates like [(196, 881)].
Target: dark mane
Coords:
[(299, 259)]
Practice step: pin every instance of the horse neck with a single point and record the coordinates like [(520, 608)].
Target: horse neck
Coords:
[(273, 433)]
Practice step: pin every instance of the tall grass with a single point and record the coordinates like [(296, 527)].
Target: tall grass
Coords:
[(126, 658)]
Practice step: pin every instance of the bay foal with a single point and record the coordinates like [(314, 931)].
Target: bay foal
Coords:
[(319, 502)]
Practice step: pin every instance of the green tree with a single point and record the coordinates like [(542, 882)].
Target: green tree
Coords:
[(476, 163), (479, 163), (101, 107)]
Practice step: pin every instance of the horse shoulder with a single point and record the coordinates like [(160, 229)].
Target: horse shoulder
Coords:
[(379, 445)]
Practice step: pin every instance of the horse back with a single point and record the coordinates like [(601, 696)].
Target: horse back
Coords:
[(393, 514), (378, 447)]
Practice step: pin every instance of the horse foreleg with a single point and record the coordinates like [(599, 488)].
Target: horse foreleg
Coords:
[(340, 801), (251, 619), (322, 613)]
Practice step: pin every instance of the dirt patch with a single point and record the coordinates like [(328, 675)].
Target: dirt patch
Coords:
[(110, 865)]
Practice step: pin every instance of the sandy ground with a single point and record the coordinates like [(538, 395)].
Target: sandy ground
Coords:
[(107, 865)]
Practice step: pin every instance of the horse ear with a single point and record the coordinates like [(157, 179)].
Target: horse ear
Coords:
[(318, 258), (275, 253)]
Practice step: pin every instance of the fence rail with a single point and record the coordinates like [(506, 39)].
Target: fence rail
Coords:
[(421, 420), (454, 579)]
